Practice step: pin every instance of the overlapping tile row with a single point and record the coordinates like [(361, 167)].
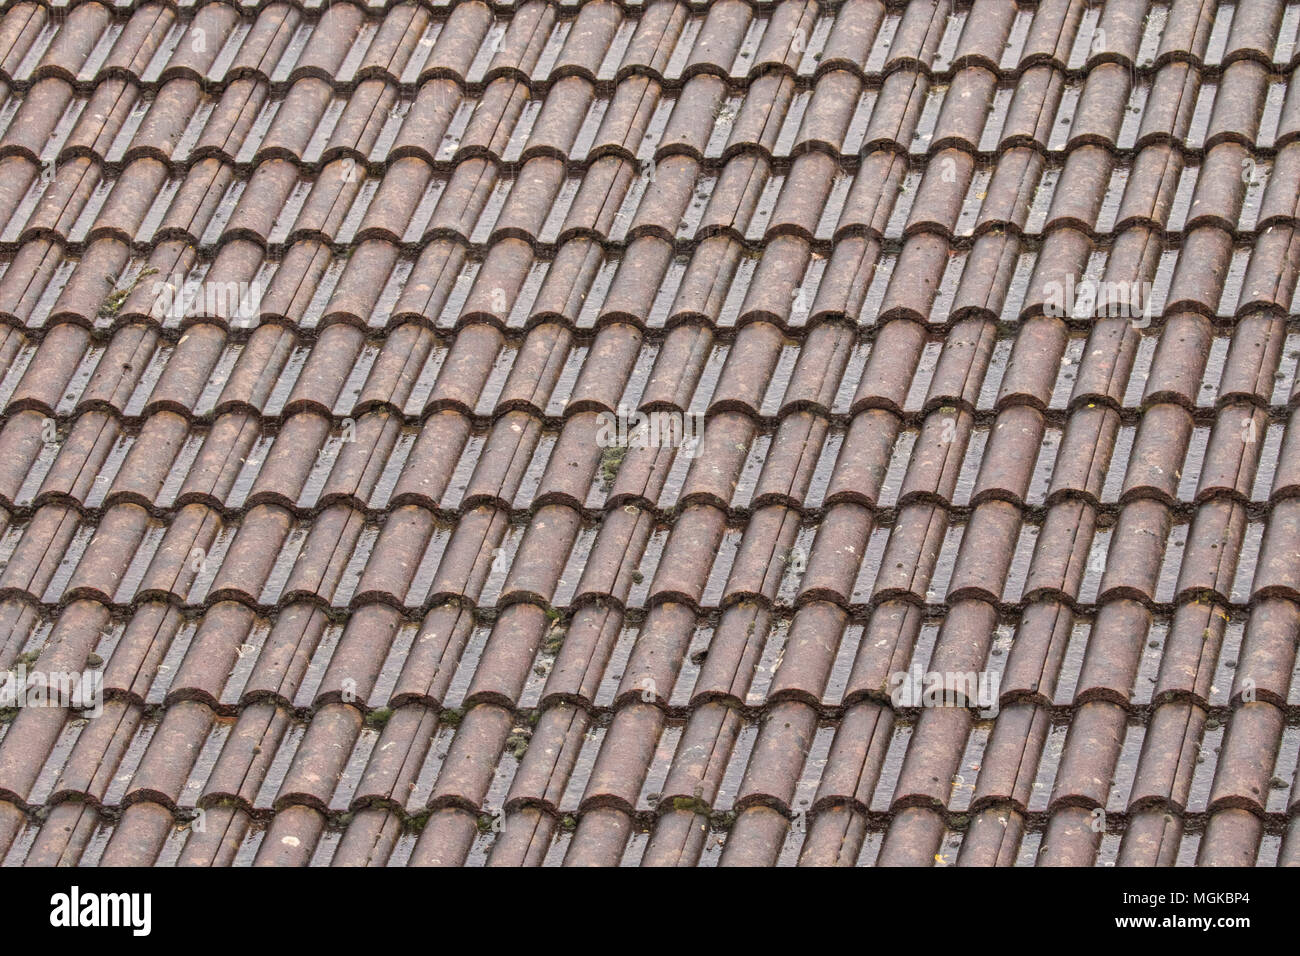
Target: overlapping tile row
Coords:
[(365, 588)]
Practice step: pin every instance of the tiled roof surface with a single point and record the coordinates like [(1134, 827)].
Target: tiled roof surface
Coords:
[(365, 588)]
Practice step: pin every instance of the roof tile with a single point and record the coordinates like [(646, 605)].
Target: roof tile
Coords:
[(315, 323)]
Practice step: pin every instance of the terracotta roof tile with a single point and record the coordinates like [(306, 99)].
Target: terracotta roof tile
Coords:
[(325, 332)]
